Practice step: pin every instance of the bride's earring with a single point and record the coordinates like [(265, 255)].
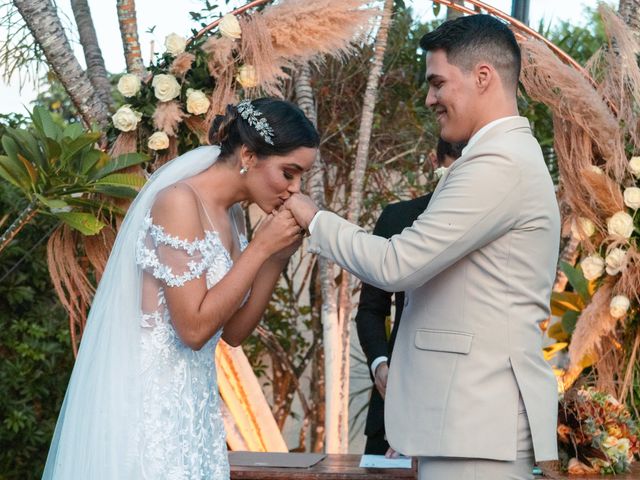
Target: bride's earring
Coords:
[(244, 170)]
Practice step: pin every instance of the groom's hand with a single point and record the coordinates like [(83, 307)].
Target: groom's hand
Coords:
[(303, 209)]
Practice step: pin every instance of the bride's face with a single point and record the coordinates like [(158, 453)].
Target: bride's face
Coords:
[(272, 180)]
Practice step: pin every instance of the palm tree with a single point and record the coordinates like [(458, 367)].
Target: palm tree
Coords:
[(129, 31), (328, 292), (92, 54), (45, 26), (337, 423)]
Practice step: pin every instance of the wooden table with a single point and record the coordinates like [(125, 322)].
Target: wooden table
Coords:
[(550, 470), (333, 467)]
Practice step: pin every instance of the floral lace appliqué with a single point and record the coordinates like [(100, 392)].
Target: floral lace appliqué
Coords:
[(183, 434)]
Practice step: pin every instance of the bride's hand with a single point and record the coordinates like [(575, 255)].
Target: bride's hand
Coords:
[(279, 234)]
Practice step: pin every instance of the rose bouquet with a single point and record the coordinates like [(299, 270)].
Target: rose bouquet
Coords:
[(596, 433)]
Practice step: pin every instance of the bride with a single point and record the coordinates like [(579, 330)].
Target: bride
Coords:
[(143, 400)]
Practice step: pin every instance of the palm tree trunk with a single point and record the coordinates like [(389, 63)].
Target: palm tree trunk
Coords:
[(329, 308), (629, 10), (92, 54), (129, 32), (45, 26), (18, 224), (340, 443)]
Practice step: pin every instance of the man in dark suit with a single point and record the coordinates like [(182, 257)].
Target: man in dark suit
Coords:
[(375, 307)]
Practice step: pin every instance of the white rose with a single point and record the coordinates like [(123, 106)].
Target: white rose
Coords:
[(619, 306), (247, 76), (175, 44), (592, 266), (582, 228), (634, 166), (615, 260), (126, 119), (197, 102), (632, 197), (230, 27), (595, 169), (129, 85), (165, 87), (158, 141), (620, 225), (439, 172)]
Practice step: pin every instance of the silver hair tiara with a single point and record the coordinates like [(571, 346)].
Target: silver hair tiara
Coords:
[(252, 116)]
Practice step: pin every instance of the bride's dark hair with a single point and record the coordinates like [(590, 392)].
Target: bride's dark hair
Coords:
[(291, 129)]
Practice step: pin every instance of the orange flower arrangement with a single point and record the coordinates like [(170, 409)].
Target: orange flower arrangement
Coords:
[(596, 433)]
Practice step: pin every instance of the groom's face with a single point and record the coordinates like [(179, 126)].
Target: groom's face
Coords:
[(451, 96)]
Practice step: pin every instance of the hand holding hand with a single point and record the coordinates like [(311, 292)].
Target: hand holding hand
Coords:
[(302, 208), (279, 234), (382, 373)]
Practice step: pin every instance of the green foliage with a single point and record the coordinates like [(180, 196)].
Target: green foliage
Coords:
[(58, 168), (35, 351)]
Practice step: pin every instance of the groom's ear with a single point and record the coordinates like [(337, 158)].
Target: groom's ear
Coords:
[(484, 75)]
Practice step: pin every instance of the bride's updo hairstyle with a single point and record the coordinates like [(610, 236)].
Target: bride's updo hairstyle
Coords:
[(266, 126)]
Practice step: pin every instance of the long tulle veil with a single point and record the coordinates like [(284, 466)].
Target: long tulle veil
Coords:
[(99, 423)]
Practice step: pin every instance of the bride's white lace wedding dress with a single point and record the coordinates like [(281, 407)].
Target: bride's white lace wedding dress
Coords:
[(182, 435), (140, 404)]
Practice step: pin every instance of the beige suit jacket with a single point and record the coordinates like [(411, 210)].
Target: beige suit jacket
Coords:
[(478, 267)]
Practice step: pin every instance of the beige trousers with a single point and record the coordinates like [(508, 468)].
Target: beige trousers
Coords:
[(447, 468)]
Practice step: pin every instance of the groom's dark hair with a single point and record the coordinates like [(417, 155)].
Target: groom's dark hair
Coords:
[(475, 38)]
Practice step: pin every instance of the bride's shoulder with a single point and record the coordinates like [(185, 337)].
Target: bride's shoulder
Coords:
[(176, 209)]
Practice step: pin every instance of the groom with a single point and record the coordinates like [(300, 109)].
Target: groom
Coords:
[(469, 391)]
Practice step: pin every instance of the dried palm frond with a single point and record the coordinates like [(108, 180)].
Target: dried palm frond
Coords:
[(68, 275), (594, 323), (182, 64), (622, 80), (168, 116), (126, 142), (167, 154), (295, 32), (221, 67)]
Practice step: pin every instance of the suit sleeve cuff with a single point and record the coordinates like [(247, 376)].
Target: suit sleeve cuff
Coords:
[(312, 224), (376, 363)]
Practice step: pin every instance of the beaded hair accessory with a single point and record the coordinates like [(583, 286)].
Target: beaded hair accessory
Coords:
[(252, 116)]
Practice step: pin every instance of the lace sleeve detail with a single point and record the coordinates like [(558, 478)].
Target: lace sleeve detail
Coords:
[(170, 259)]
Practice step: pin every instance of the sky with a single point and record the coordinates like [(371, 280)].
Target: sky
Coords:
[(173, 16)]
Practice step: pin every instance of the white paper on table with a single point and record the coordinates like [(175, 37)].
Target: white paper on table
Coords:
[(380, 461)]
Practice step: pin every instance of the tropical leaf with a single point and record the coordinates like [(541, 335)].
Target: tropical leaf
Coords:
[(123, 161), (7, 174), (15, 169), (73, 130), (51, 203), (577, 280), (44, 123), (551, 351), (71, 147), (92, 158), (569, 320), (123, 179), (556, 331), (85, 223), (561, 302), (116, 191), (29, 145), (31, 171)]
